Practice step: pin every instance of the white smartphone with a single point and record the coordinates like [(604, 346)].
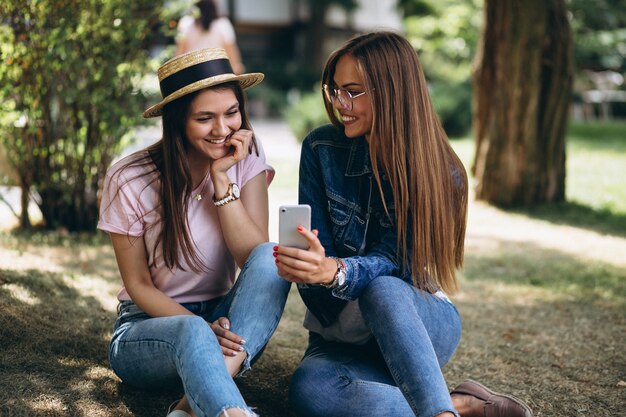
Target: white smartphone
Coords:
[(289, 218)]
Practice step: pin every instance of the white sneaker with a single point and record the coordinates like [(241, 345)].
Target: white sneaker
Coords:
[(176, 413)]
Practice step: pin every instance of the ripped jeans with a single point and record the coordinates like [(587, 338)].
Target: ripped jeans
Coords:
[(162, 352)]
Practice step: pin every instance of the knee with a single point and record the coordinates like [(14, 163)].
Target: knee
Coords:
[(262, 252), (261, 259), (384, 291), (189, 330), (262, 265)]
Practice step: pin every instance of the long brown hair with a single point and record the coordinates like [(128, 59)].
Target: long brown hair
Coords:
[(406, 141), (168, 157)]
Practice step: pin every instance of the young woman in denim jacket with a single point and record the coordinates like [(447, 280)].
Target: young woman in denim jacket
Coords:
[(389, 202), (175, 216)]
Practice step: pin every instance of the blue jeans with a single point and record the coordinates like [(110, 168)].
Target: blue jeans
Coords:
[(397, 373), (162, 352)]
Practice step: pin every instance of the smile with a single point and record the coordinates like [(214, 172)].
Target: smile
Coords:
[(347, 119), (222, 140), (217, 141)]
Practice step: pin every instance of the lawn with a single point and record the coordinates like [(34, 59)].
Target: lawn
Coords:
[(543, 296)]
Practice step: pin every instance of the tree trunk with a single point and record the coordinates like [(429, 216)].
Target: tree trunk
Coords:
[(25, 223), (522, 88), (315, 33)]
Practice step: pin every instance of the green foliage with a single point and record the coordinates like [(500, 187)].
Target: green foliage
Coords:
[(306, 114), (445, 34), (599, 28), (453, 102), (71, 88)]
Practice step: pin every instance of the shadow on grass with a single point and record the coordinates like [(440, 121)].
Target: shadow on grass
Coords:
[(545, 326), (53, 356), (533, 266), (602, 221), (53, 348)]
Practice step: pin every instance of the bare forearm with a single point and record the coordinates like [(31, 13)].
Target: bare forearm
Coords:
[(244, 221), (154, 302), (241, 233)]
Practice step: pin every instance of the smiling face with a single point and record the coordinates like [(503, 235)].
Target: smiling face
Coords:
[(358, 121), (214, 115)]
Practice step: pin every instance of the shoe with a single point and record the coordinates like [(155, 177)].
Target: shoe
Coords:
[(176, 413), (496, 404)]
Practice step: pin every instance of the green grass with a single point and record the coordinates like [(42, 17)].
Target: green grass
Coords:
[(595, 186), (596, 166)]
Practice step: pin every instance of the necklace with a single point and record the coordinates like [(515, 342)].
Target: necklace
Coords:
[(198, 195)]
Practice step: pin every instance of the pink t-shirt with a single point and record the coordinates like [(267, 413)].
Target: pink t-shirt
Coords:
[(219, 34), (134, 212)]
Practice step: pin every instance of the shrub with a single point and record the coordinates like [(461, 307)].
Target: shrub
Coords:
[(70, 91), (306, 114)]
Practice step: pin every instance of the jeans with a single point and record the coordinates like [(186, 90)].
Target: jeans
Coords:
[(396, 373), (162, 352)]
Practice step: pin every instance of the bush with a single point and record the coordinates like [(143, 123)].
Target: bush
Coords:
[(453, 102), (70, 91), (306, 114)]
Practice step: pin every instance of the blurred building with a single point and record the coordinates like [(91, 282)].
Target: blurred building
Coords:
[(289, 41), (291, 34)]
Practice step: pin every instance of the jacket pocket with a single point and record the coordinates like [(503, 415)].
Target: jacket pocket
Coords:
[(348, 226)]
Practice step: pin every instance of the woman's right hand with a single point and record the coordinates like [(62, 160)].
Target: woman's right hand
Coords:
[(309, 266), (230, 342), (239, 144)]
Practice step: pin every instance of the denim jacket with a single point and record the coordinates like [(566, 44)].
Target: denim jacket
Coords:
[(337, 181)]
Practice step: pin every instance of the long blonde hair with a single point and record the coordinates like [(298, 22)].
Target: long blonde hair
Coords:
[(406, 141)]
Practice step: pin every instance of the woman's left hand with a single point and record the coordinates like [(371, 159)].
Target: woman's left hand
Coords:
[(230, 342), (239, 142), (309, 266)]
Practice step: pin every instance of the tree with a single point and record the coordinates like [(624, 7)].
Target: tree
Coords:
[(599, 28), (316, 28), (445, 34), (70, 90), (522, 90)]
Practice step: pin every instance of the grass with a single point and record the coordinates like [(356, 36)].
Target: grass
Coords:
[(595, 182), (542, 304)]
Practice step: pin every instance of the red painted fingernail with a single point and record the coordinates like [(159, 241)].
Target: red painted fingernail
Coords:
[(300, 228), (275, 254), (277, 261), (275, 248)]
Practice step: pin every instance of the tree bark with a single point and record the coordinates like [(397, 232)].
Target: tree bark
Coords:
[(316, 33), (522, 88)]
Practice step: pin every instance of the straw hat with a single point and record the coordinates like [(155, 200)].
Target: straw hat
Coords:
[(194, 71)]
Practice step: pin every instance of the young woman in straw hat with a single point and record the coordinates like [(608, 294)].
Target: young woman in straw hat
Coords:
[(389, 199), (183, 214)]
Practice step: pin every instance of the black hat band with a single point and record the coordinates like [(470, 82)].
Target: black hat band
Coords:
[(194, 73)]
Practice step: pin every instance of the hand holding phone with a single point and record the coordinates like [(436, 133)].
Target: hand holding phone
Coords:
[(289, 218)]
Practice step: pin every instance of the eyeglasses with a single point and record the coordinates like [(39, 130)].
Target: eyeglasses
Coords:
[(344, 97)]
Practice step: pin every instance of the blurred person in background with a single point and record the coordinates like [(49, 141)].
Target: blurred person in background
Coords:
[(208, 30)]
